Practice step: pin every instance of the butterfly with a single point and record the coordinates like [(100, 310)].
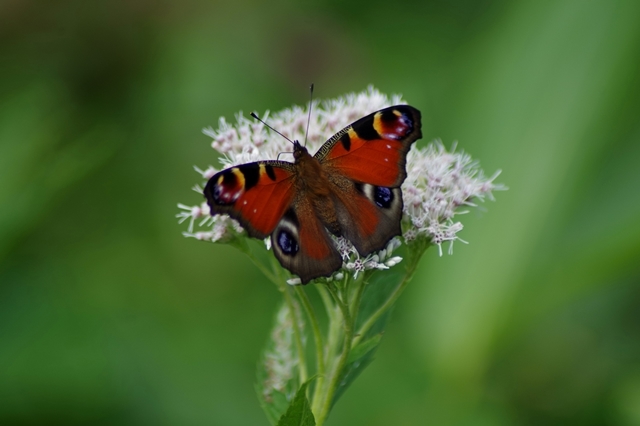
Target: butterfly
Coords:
[(349, 188)]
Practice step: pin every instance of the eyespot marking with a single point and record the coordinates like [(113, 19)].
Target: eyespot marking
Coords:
[(383, 196), (287, 243), (227, 188)]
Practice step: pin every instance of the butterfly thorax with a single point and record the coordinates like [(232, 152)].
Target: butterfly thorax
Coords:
[(313, 184), (311, 177)]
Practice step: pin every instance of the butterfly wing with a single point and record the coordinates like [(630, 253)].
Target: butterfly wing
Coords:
[(366, 163), (374, 149), (255, 194), (369, 215), (301, 243)]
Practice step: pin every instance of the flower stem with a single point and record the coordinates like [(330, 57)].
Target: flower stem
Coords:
[(317, 335), (414, 257), (355, 303), (297, 333), (336, 372), (332, 344)]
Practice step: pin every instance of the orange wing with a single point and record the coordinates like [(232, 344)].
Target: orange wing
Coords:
[(373, 150), (255, 194)]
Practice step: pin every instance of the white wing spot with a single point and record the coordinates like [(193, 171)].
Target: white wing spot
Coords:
[(255, 210), (244, 202), (388, 146), (386, 159)]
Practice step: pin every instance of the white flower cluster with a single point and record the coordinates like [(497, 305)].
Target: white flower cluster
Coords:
[(354, 263), (438, 181)]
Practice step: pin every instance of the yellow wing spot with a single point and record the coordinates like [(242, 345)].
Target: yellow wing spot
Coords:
[(240, 176), (352, 133), (377, 123), (263, 170)]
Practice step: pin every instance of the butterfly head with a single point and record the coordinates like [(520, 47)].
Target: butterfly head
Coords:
[(299, 151)]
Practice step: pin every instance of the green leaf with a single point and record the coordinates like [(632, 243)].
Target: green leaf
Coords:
[(363, 348), (299, 412)]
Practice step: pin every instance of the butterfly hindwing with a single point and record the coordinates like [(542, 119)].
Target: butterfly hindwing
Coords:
[(373, 149), (255, 194), (301, 243), (369, 215)]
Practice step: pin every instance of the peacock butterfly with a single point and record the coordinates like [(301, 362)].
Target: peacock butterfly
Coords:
[(350, 188)]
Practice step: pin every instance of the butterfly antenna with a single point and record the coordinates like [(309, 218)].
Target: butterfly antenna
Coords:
[(309, 117), (254, 115)]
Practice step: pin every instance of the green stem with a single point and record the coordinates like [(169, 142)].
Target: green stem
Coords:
[(297, 334), (413, 260), (317, 335), (242, 245), (326, 299), (336, 371), (355, 303), (319, 391)]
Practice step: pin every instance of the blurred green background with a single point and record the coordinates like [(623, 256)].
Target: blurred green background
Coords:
[(109, 316)]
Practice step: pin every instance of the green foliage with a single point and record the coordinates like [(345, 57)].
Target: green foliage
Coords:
[(357, 312), (299, 412)]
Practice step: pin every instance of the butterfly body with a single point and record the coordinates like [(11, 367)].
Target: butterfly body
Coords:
[(350, 188)]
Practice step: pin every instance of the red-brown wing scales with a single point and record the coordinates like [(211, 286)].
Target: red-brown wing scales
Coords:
[(255, 194), (302, 245), (373, 149), (369, 215)]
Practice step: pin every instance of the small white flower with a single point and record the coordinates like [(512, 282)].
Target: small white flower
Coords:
[(344, 246), (393, 261), (356, 267), (294, 281)]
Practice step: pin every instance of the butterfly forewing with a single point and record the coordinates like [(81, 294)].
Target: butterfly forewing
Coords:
[(255, 194), (374, 149)]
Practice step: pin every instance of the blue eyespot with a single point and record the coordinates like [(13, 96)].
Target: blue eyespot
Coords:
[(287, 243), (383, 196)]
